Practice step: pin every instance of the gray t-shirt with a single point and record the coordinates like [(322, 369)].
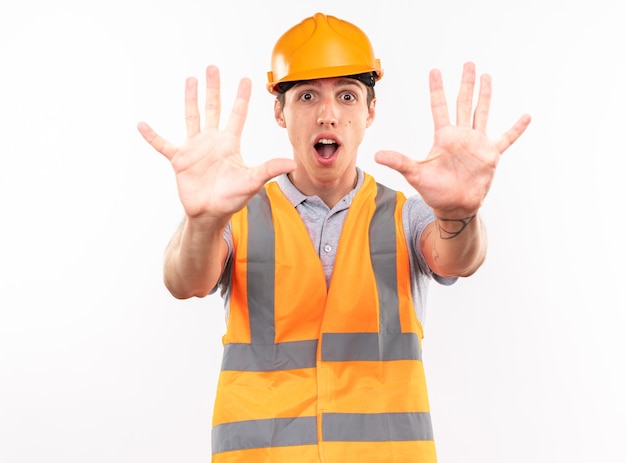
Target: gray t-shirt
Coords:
[(325, 224)]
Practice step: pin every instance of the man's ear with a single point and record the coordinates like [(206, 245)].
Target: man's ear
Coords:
[(278, 114), (371, 113)]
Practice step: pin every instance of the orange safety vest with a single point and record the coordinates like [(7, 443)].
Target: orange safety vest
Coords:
[(317, 375)]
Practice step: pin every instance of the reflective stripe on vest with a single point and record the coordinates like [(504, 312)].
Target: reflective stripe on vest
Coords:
[(337, 427), (264, 356), (252, 434)]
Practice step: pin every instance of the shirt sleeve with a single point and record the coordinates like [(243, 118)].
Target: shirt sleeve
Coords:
[(416, 215), (223, 283)]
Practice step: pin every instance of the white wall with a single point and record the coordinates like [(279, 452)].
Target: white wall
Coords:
[(99, 363)]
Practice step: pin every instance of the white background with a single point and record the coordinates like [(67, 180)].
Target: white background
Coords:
[(98, 363)]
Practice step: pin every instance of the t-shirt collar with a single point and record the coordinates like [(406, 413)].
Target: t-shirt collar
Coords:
[(296, 197)]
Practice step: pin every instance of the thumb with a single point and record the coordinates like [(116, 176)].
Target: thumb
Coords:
[(156, 141), (397, 161), (274, 167)]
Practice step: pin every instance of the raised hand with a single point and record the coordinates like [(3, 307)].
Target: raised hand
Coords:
[(212, 179), (458, 171)]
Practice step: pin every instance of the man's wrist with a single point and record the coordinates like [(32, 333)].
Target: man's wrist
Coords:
[(450, 228)]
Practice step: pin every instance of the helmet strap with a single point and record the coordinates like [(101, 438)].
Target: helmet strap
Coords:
[(367, 78)]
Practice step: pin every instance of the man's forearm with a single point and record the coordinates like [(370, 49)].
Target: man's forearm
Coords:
[(194, 258), (455, 247)]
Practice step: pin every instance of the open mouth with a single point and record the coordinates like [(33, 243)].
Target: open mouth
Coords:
[(326, 147)]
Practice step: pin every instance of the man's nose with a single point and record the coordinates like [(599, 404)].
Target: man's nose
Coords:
[(328, 113)]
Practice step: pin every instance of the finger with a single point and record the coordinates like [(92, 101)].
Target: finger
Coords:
[(438, 104), (192, 115), (240, 108), (157, 142), (481, 114), (513, 133), (466, 93), (212, 103)]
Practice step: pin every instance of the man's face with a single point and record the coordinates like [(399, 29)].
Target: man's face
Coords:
[(325, 121)]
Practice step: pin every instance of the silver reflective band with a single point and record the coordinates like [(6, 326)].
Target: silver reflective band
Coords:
[(383, 252), (381, 427), (344, 347), (260, 270), (272, 357), (276, 432)]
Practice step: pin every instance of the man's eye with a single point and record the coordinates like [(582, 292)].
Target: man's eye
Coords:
[(307, 96), (347, 97)]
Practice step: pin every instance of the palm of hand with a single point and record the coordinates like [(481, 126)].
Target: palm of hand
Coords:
[(210, 174), (212, 179), (458, 171)]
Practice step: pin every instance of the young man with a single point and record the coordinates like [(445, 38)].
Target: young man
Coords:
[(323, 270)]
